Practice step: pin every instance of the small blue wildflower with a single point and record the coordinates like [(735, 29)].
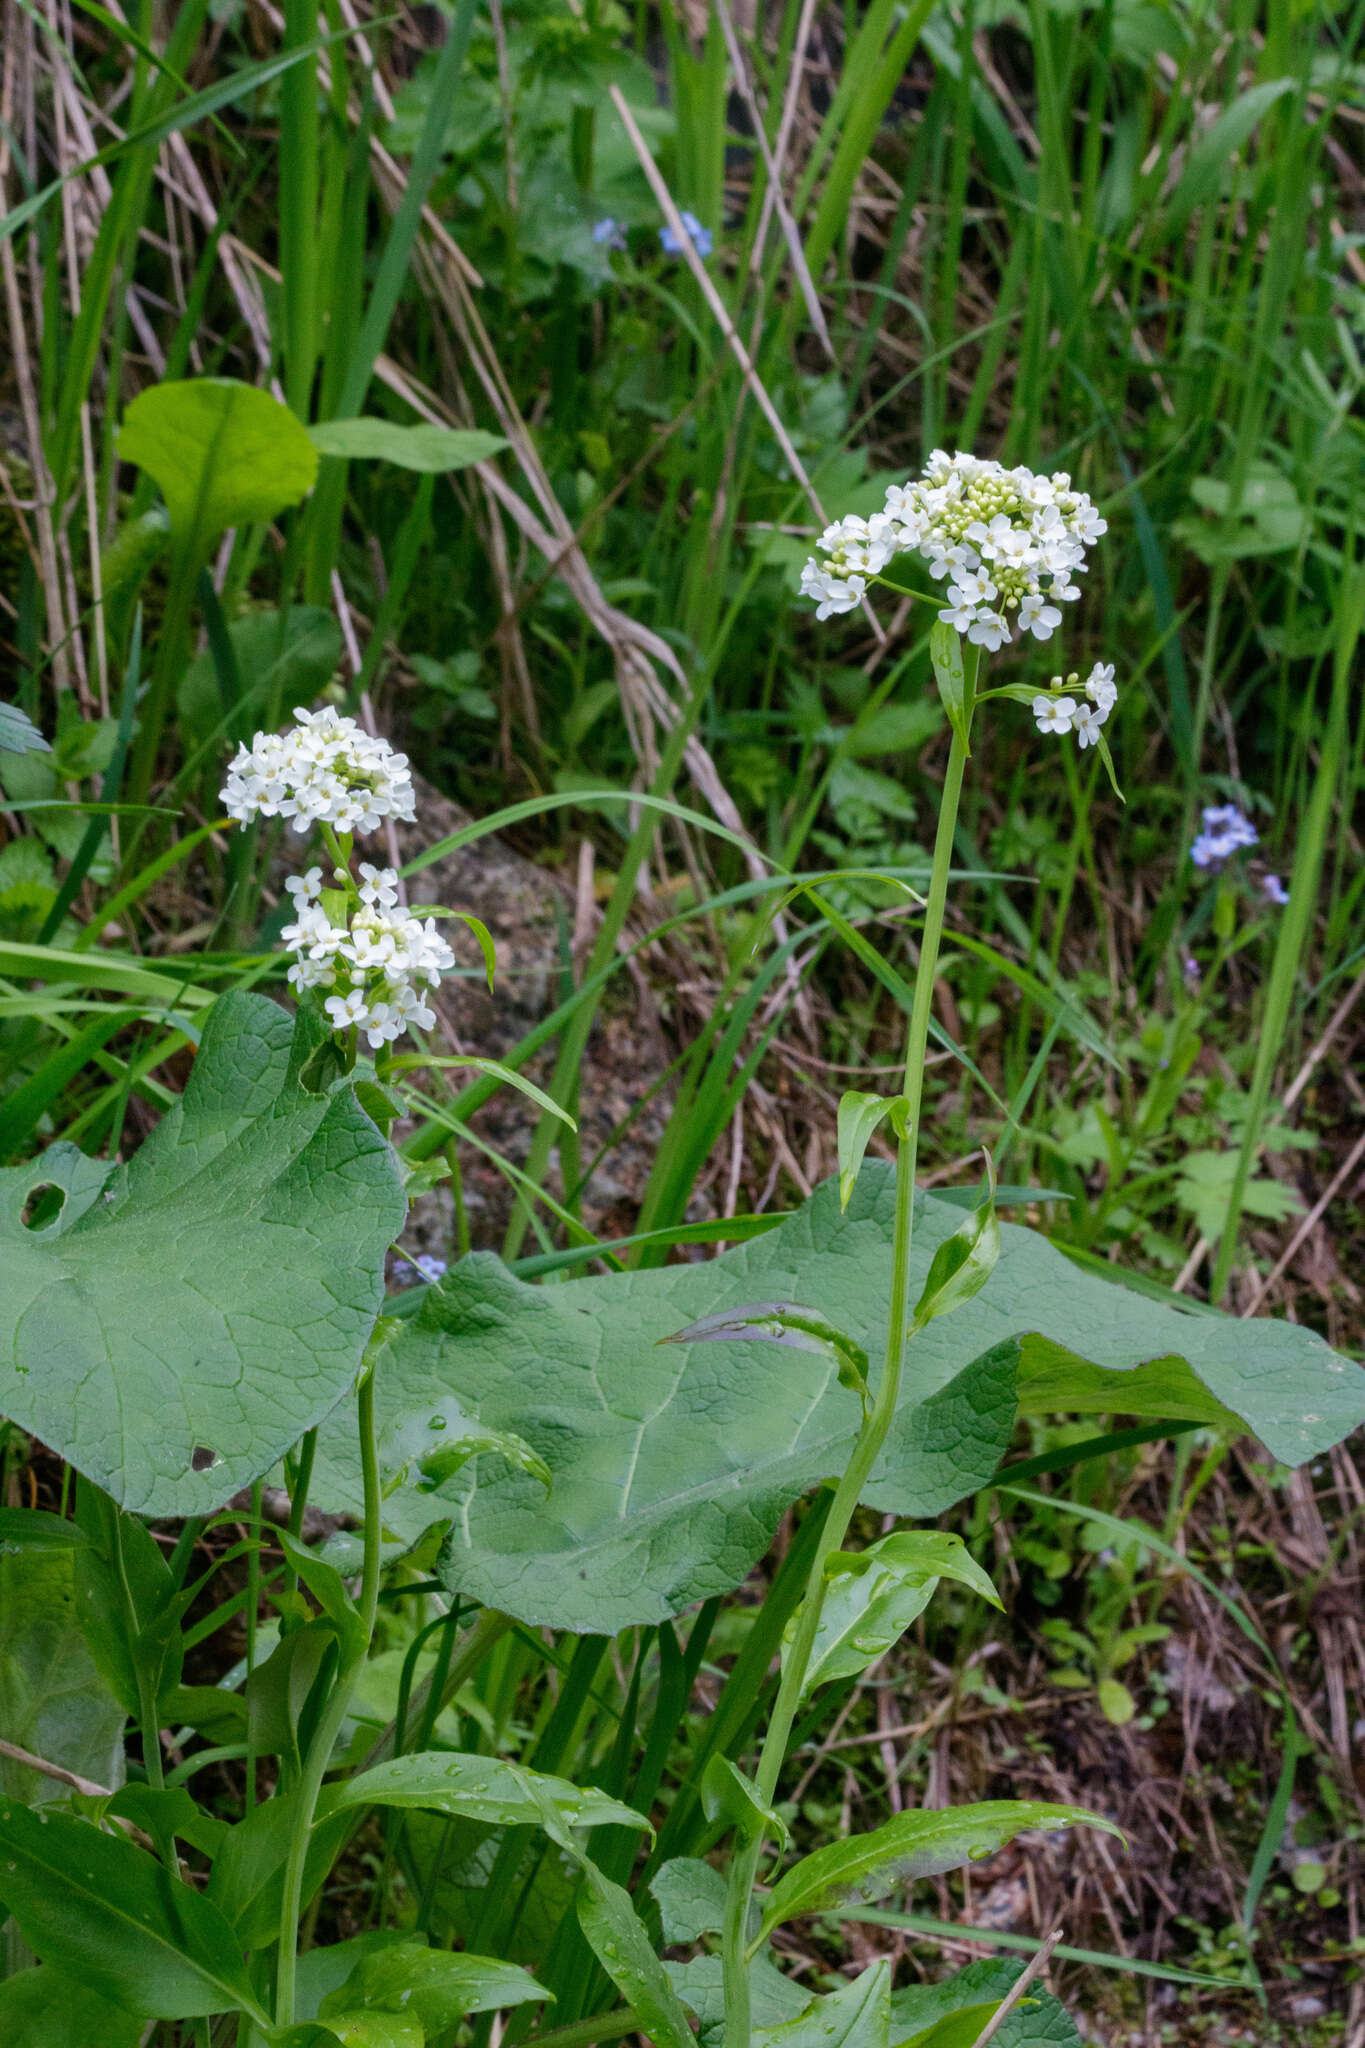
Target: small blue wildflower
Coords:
[(1226, 830), (426, 1267), (609, 233), (1273, 889), (699, 237)]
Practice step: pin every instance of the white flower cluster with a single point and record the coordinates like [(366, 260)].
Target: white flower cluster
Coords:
[(1060, 713), (327, 771), (377, 967), (1009, 543)]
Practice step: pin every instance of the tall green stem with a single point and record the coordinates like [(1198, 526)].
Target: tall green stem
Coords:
[(876, 1423), (320, 1749)]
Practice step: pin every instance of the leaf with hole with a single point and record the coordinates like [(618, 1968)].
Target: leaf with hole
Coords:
[(922, 1843), (215, 1294)]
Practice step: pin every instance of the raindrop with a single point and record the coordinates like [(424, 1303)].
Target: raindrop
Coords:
[(437, 1422), (979, 1853)]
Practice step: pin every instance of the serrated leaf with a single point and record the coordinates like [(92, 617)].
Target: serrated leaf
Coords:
[(872, 1597), (672, 1465), (431, 450), (859, 1116), (18, 733), (186, 1318), (864, 1868), (481, 1788), (221, 452), (109, 1913)]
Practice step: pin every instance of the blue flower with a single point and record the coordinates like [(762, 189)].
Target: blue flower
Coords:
[(1273, 889), (609, 233), (1226, 831), (426, 1267), (699, 237)]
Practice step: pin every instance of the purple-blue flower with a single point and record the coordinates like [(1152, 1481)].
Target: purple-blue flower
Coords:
[(609, 233), (1273, 889), (1226, 830), (426, 1267), (699, 237)]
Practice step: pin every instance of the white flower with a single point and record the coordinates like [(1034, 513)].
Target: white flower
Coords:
[(989, 630), (346, 1010), (1054, 714), (1008, 541), (378, 886), (1086, 724), (1101, 688), (1038, 617), (327, 771), (305, 888)]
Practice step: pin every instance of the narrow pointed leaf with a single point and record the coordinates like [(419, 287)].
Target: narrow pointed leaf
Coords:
[(923, 1843), (859, 1116), (872, 1597)]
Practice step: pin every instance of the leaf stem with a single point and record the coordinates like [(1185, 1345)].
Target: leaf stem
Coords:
[(320, 1749), (876, 1423)]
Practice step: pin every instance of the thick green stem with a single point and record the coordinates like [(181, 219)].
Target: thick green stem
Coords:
[(320, 1749), (876, 1423)]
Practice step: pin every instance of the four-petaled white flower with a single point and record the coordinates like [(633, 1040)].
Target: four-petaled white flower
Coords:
[(1086, 724), (1101, 688), (1054, 714)]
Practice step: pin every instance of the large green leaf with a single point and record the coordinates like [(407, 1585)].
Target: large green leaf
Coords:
[(222, 453), (860, 1869), (49, 2008), (184, 1319), (671, 1466), (113, 1916)]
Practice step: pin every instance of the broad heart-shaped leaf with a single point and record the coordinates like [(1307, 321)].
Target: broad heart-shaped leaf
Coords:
[(52, 2008), (184, 1319), (482, 1788), (433, 450), (672, 1465), (951, 2014), (222, 453), (110, 1914), (858, 2015), (691, 1898), (922, 1843)]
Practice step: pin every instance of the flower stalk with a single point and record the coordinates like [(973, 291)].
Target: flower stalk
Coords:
[(736, 1949)]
